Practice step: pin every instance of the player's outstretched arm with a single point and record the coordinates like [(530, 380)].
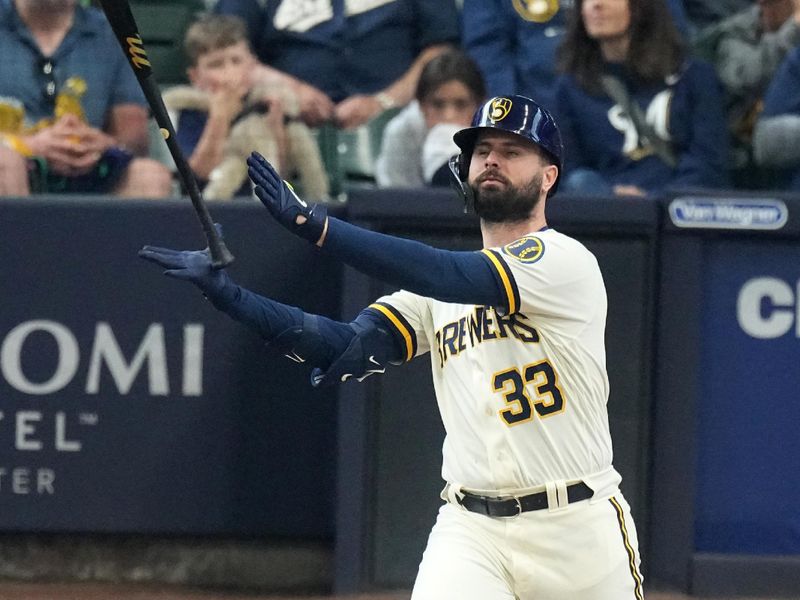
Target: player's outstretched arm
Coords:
[(339, 351), (466, 277)]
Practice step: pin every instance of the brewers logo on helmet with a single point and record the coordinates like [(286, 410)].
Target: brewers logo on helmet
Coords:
[(500, 109)]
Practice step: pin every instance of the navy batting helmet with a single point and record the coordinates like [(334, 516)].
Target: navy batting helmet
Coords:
[(516, 114)]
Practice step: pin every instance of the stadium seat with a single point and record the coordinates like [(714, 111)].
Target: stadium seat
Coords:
[(163, 24), (349, 155)]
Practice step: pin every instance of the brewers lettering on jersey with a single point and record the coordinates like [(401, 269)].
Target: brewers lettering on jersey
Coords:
[(515, 337)]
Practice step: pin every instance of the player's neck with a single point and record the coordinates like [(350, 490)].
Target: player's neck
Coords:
[(500, 234)]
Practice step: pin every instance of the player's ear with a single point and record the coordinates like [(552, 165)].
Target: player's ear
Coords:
[(549, 177)]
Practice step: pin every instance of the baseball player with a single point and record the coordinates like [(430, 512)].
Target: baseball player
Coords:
[(515, 334)]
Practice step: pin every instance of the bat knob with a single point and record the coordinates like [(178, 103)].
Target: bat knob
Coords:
[(220, 256)]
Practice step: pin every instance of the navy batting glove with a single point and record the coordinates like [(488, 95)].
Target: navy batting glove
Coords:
[(189, 265), (289, 210), (368, 353)]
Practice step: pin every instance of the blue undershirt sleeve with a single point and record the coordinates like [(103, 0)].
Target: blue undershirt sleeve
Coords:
[(318, 338), (480, 278)]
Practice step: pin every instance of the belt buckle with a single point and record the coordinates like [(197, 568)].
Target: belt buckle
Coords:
[(519, 507)]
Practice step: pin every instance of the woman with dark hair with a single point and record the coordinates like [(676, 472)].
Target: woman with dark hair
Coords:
[(637, 114), (418, 141)]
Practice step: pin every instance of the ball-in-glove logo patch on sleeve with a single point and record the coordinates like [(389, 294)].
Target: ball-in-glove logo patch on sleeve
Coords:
[(528, 249)]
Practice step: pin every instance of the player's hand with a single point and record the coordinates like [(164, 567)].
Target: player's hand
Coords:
[(188, 265), (308, 222)]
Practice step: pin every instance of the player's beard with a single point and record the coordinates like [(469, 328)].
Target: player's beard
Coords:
[(510, 204)]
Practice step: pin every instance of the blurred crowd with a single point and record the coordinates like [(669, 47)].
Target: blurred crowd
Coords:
[(650, 95)]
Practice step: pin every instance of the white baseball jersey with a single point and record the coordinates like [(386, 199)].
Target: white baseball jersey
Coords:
[(522, 395)]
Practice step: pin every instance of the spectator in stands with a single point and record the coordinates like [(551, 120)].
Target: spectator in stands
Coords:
[(223, 116), (702, 14), (514, 43), (418, 142), (776, 140), (80, 119), (347, 61), (636, 114), (746, 50)]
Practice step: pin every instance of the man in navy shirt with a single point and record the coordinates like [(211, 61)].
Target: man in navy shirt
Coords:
[(347, 61)]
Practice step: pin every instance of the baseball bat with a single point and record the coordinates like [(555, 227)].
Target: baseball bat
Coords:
[(119, 15)]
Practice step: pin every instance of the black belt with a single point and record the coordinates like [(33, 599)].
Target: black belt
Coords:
[(511, 507)]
